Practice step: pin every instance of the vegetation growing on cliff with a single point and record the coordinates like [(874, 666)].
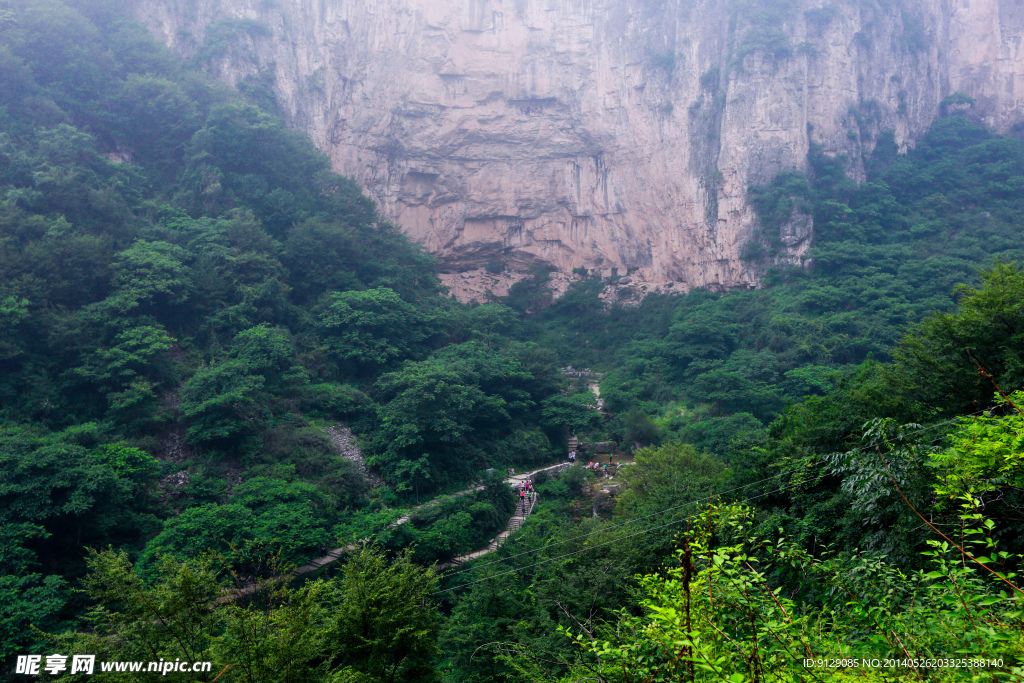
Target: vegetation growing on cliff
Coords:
[(762, 29), (710, 368), (188, 297)]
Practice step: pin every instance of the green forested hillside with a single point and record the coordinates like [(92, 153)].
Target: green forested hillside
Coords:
[(710, 368), (879, 520), (827, 467), (188, 295)]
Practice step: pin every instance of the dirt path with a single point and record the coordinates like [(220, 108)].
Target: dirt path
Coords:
[(596, 388)]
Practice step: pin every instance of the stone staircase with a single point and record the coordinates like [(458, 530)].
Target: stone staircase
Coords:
[(495, 543), (523, 510)]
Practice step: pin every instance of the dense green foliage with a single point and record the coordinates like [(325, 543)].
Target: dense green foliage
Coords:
[(855, 516), (933, 379), (713, 368), (454, 526), (440, 417), (189, 298), (716, 617), (372, 623)]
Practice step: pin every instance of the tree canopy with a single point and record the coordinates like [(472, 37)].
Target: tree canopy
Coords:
[(219, 361)]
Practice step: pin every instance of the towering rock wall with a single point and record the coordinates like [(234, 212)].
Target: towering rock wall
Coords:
[(617, 135)]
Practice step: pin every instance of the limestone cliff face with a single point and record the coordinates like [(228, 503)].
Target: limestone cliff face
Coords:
[(618, 135)]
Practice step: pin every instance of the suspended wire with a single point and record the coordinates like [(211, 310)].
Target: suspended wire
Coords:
[(684, 505), (676, 521), (600, 545)]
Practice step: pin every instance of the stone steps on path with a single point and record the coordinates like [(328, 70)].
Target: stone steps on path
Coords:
[(514, 523), (492, 545)]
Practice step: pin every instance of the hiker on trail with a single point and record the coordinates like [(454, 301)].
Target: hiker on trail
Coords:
[(610, 456), (529, 496)]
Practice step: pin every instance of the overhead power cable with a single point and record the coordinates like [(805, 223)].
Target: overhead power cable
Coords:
[(600, 545), (660, 512)]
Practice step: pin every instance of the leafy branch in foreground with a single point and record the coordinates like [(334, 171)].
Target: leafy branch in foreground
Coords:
[(715, 617), (373, 624)]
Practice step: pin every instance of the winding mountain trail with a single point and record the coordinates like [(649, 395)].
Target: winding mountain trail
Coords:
[(522, 512), (514, 523)]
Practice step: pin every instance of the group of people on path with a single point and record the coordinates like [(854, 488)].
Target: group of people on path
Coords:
[(608, 469), (526, 493), (596, 466)]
